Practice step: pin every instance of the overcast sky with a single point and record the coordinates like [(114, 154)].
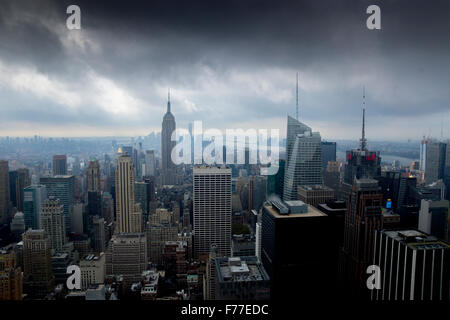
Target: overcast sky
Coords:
[(231, 64)]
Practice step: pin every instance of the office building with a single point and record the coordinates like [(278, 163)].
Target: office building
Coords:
[(4, 191), (315, 194), (212, 210), (17, 225), (93, 270), (414, 266), (62, 188), (98, 234), (296, 250), (304, 158), (275, 182), (241, 278), (433, 159), (128, 213), (18, 180), (434, 218), (93, 174), (328, 153), (37, 263), (332, 176), (363, 218), (150, 163), (51, 220), (127, 256), (60, 165), (33, 199), (257, 191)]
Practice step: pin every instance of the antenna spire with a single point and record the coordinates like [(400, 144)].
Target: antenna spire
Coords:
[(296, 93), (168, 100), (363, 137)]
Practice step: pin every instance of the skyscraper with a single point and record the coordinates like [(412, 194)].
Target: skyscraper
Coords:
[(59, 164), (212, 210), (362, 163), (362, 219), (296, 250), (18, 180), (167, 166), (328, 153), (93, 173), (414, 266), (4, 191), (128, 213), (37, 263), (33, 199), (51, 220), (150, 163), (127, 256), (304, 158), (62, 188), (433, 159)]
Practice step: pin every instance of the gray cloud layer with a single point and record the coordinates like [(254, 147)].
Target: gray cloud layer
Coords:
[(228, 63)]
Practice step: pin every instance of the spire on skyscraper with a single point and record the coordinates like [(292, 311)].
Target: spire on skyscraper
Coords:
[(168, 101), (363, 137), (296, 92)]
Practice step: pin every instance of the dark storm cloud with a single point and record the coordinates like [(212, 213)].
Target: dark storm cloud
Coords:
[(228, 62)]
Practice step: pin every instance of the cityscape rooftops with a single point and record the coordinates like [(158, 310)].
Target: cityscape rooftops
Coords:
[(240, 269)]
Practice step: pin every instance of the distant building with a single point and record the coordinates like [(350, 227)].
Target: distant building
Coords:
[(433, 159), (315, 194), (168, 168), (328, 153), (34, 197), (4, 191), (150, 163), (304, 158), (17, 225), (434, 218), (414, 266), (18, 180), (241, 278), (62, 187), (59, 165)]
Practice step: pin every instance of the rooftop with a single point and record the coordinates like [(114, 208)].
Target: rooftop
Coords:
[(240, 269)]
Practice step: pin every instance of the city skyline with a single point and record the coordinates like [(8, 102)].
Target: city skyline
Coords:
[(111, 77)]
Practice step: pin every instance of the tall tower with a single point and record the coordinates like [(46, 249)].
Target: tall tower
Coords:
[(361, 162), (362, 219), (4, 191), (93, 176), (304, 158), (167, 166), (52, 222), (128, 213), (212, 210)]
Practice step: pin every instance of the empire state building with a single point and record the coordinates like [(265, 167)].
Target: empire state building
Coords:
[(168, 169)]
